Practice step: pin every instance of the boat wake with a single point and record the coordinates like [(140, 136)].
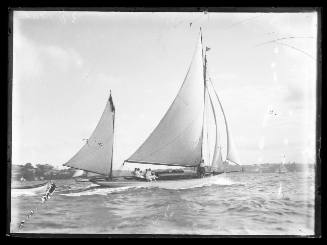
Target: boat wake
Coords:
[(221, 180), (28, 192), (96, 190)]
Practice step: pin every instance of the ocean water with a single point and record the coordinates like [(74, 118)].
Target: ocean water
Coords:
[(232, 204)]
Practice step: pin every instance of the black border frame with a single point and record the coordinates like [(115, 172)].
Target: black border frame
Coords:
[(319, 212)]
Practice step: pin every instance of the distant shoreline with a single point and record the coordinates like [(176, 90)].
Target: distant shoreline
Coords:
[(49, 172)]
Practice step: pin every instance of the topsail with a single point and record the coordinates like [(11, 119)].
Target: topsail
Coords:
[(96, 155), (231, 149)]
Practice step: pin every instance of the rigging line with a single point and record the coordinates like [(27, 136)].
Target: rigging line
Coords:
[(300, 50), (279, 39), (242, 21)]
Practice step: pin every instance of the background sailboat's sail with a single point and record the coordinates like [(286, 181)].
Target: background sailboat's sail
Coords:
[(217, 161), (78, 173), (177, 139), (231, 150), (208, 137), (96, 155)]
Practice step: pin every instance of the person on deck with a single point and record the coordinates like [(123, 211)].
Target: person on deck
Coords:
[(201, 169), (149, 176), (138, 173), (50, 190), (154, 176)]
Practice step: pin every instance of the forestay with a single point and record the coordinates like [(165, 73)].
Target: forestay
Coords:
[(177, 140), (96, 155)]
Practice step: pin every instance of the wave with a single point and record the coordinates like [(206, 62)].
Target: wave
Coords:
[(221, 180), (96, 190), (28, 192)]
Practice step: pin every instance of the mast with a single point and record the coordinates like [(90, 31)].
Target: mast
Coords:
[(204, 96), (113, 130)]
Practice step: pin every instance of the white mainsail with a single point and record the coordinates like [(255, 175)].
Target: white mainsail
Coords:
[(177, 140), (182, 137), (96, 155)]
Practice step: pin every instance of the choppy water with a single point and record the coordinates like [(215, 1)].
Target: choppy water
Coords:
[(234, 204)]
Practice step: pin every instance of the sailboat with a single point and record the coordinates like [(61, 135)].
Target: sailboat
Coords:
[(282, 169), (96, 155), (180, 137)]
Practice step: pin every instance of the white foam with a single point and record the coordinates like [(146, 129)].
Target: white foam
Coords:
[(99, 191), (28, 192), (222, 180)]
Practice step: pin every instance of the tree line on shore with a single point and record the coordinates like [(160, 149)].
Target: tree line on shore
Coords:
[(40, 172)]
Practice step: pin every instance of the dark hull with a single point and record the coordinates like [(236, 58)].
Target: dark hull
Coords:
[(167, 181)]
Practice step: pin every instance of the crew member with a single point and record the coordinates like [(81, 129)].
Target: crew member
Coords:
[(49, 191)]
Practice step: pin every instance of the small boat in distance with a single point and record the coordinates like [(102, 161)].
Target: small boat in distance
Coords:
[(282, 169)]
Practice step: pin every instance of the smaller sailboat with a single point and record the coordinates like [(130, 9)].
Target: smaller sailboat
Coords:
[(282, 169), (94, 159)]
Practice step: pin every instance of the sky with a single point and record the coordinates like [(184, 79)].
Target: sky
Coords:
[(263, 67)]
